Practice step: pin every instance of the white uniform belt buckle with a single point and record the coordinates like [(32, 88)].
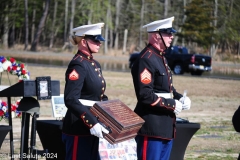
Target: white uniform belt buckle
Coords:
[(87, 102), (165, 95)]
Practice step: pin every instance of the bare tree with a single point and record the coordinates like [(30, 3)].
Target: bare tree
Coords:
[(65, 21), (72, 16), (110, 30), (116, 30), (90, 13), (180, 28), (165, 9), (72, 20), (141, 23), (40, 27), (5, 30), (53, 23), (11, 41), (125, 41), (33, 21), (231, 8), (106, 27), (26, 24), (214, 47)]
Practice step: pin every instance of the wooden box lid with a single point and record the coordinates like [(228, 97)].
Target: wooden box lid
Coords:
[(124, 122)]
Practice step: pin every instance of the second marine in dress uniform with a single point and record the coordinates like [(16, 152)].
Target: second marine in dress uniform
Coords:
[(84, 86), (158, 101)]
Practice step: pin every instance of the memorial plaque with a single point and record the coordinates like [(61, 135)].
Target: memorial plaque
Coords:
[(122, 121)]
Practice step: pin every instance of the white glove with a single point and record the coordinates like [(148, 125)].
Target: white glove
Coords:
[(97, 130), (178, 107), (186, 102)]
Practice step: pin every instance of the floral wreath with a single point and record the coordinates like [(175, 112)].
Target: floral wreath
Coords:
[(4, 114), (13, 67)]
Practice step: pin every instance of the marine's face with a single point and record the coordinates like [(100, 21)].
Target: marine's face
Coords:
[(94, 45), (167, 37)]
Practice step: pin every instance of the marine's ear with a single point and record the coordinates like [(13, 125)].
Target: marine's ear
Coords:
[(83, 42)]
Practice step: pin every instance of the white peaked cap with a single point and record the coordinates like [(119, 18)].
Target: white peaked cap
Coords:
[(160, 24), (92, 29)]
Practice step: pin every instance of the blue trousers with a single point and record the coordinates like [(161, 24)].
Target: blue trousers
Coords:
[(149, 148), (81, 147)]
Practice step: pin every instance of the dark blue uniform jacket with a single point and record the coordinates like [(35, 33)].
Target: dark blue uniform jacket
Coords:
[(236, 120), (151, 74), (84, 80)]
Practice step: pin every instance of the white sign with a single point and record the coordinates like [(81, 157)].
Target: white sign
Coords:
[(58, 106), (125, 150)]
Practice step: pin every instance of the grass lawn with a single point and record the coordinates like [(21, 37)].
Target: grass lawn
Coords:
[(213, 104)]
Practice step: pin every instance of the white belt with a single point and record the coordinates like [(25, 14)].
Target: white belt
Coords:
[(165, 95), (87, 102)]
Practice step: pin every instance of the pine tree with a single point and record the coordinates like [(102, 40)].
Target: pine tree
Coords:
[(198, 25)]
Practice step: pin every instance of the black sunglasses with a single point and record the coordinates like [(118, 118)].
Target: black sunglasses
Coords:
[(168, 31), (95, 40)]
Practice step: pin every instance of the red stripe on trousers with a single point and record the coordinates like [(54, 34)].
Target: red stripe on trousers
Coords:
[(144, 151), (75, 144)]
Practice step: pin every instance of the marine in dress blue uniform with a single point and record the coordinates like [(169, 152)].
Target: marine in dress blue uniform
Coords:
[(157, 98), (236, 122), (84, 80)]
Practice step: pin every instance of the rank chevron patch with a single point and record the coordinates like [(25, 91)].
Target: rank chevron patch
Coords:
[(73, 75), (145, 77)]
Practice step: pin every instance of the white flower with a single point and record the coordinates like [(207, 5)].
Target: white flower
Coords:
[(1, 68), (24, 77), (18, 68), (14, 72), (27, 76), (4, 109), (6, 64)]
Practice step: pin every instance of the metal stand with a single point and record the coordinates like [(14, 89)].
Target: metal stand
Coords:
[(10, 124), (28, 106), (33, 136)]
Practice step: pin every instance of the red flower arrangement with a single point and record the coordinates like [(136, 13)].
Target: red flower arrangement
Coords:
[(14, 67), (4, 114)]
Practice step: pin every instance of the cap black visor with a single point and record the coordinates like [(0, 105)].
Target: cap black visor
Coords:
[(168, 30), (95, 37)]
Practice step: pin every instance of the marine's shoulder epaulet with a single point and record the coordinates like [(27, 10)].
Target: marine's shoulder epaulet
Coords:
[(78, 58), (146, 53)]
